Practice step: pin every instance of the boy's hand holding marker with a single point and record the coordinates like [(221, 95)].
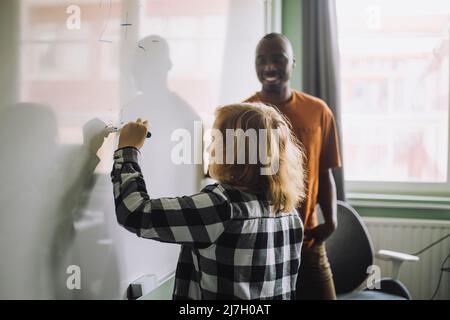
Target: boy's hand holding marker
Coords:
[(133, 134)]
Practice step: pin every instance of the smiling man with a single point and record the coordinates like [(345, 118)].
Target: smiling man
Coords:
[(313, 124)]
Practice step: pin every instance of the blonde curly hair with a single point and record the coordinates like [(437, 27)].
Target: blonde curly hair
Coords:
[(284, 187)]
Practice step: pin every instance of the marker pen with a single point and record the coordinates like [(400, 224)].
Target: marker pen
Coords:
[(117, 129)]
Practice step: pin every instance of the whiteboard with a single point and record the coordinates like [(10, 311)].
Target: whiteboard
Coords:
[(68, 69)]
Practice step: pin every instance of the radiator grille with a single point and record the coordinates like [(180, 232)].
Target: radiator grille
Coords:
[(410, 236)]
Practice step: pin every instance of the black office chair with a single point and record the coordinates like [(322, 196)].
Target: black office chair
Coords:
[(350, 253)]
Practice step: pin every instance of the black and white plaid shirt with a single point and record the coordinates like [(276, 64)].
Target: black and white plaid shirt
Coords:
[(233, 246)]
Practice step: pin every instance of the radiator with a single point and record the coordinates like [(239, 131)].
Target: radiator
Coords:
[(409, 236)]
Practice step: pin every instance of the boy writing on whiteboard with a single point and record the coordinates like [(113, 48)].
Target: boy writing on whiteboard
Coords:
[(241, 237)]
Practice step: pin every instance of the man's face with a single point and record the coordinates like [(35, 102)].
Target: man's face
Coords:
[(274, 63)]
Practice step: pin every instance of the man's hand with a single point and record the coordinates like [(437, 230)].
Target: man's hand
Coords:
[(320, 233), (133, 134), (327, 201)]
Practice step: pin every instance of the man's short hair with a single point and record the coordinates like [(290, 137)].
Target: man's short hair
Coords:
[(274, 35)]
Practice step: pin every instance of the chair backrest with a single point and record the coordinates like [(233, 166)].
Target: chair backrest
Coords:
[(349, 250)]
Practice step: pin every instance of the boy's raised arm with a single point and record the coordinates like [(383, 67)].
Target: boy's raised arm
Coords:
[(196, 220)]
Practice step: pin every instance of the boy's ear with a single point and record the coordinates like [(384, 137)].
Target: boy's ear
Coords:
[(293, 62)]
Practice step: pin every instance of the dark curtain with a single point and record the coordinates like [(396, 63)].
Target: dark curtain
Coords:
[(321, 76)]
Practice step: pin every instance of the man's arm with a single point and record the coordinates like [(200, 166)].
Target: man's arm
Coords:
[(327, 200)]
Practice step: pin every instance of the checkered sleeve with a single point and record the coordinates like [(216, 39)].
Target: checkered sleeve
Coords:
[(196, 220)]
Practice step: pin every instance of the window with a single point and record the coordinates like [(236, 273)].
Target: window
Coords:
[(395, 94)]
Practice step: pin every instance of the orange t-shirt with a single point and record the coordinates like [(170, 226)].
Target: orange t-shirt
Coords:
[(313, 124)]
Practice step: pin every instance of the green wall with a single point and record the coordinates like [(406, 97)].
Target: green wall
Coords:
[(431, 214), (9, 51), (291, 28)]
